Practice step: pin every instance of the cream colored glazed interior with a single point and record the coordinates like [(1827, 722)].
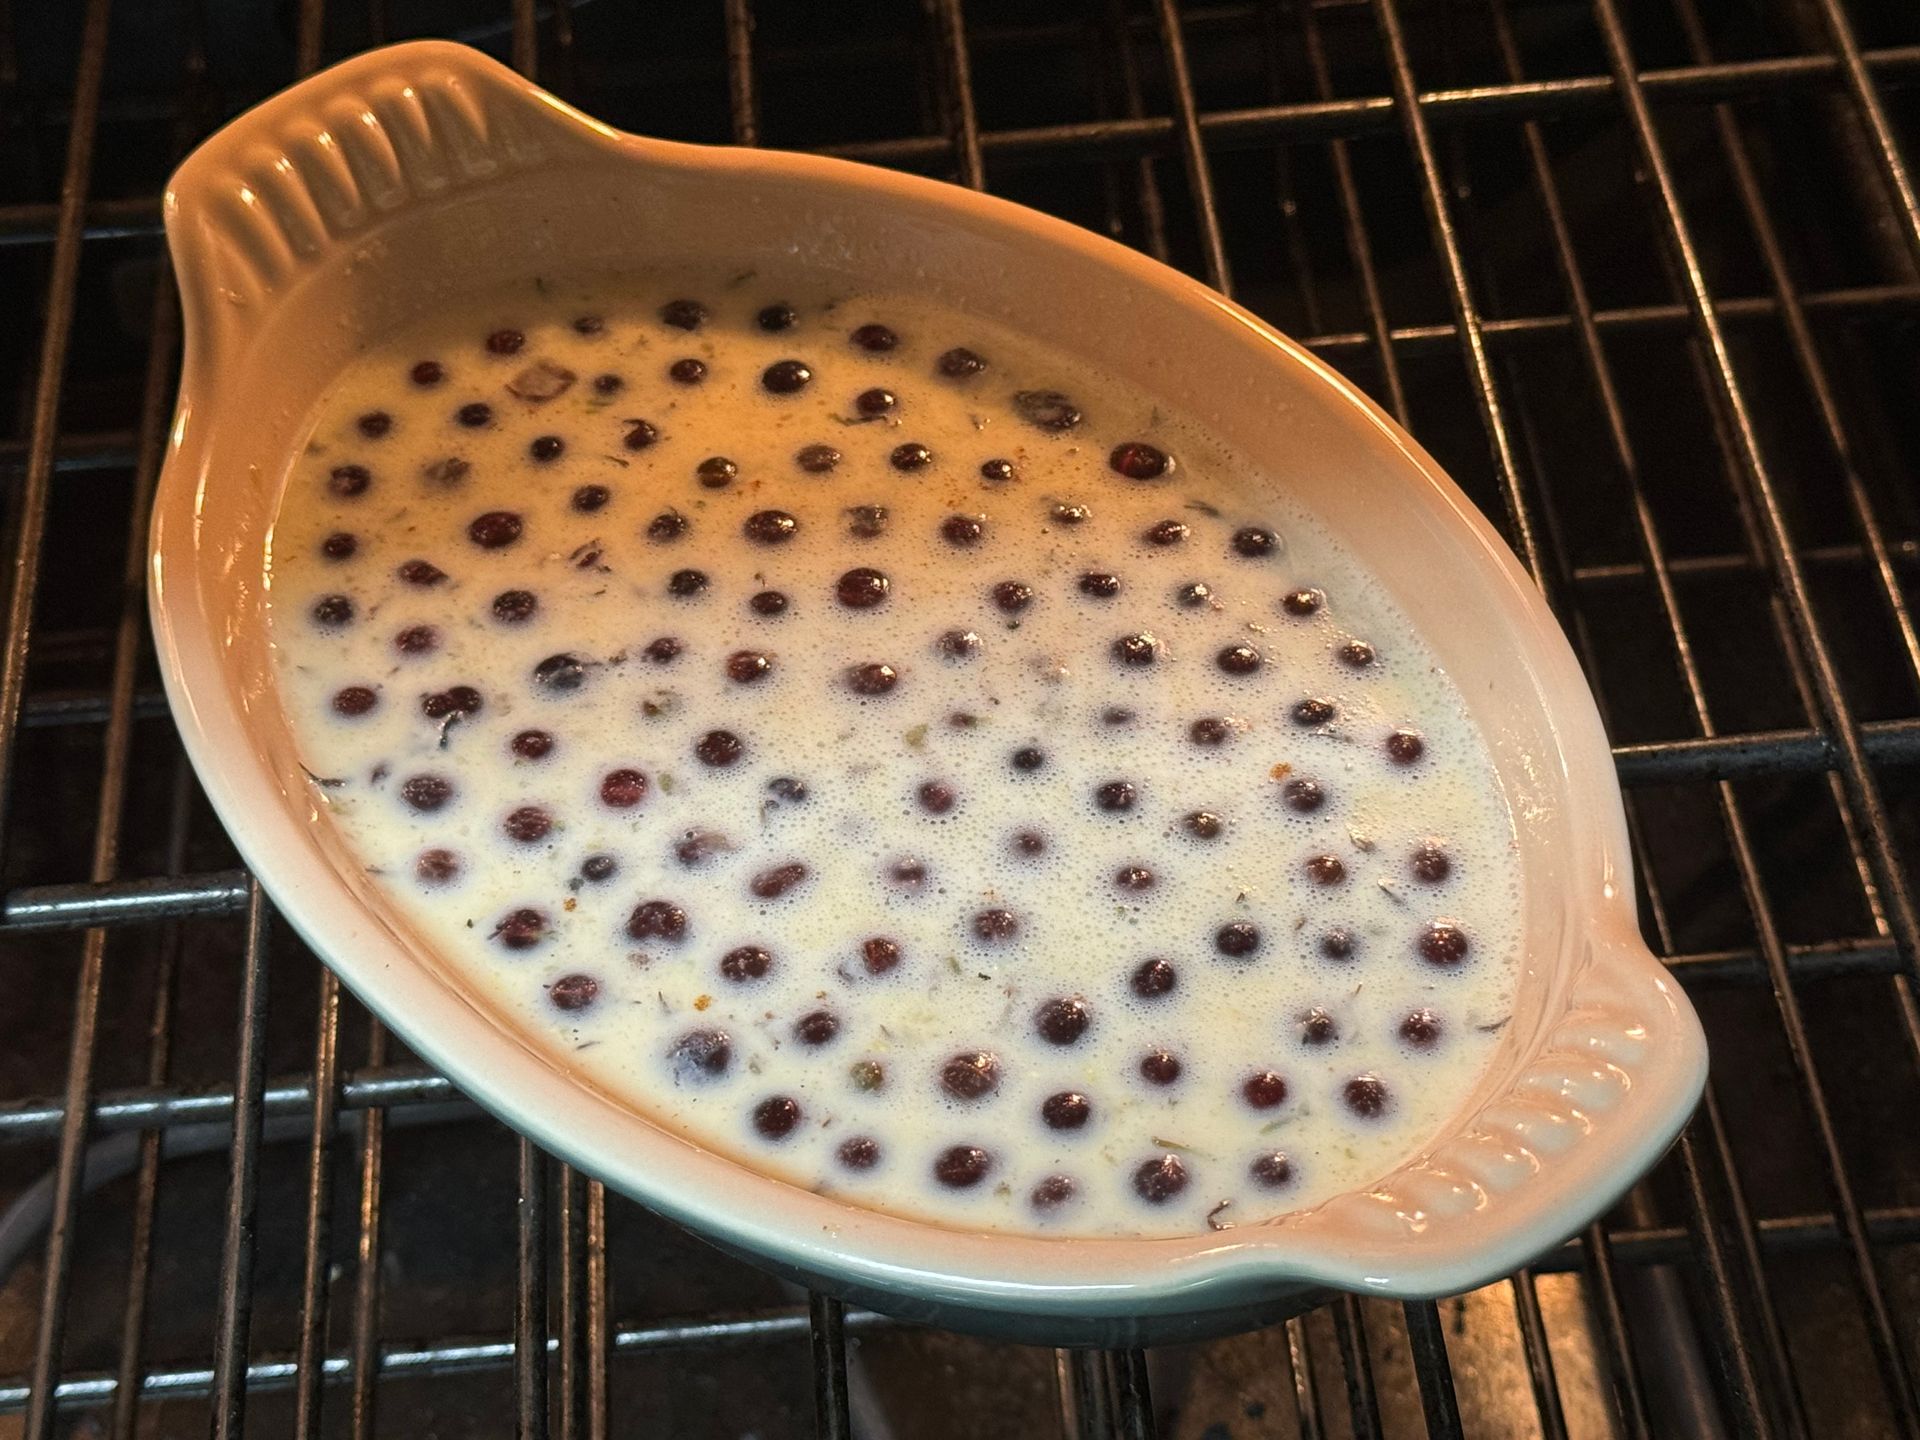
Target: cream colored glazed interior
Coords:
[(404, 178)]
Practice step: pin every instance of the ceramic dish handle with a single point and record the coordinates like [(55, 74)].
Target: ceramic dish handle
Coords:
[(319, 166)]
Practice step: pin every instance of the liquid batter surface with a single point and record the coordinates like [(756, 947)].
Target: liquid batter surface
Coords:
[(894, 755)]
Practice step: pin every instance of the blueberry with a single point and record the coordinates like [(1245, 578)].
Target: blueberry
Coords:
[(560, 674), (777, 1116), (875, 338), (505, 342), (589, 498), (962, 530), (1366, 1096), (1326, 870), (816, 1028), (1052, 1192), (494, 530), (1012, 596), (1405, 746), (608, 384), (700, 1055), (775, 318), (817, 459), (1302, 602), (879, 954), (859, 1152), (936, 797), (862, 588), (1337, 944), (1202, 824), (546, 448), (1062, 1021), (1029, 843), (719, 748), (716, 472), (1099, 586), (996, 925), (1068, 1110), (421, 572), (1138, 460), (532, 744), (1163, 533), (1238, 660), (1046, 410), (668, 525), (1141, 649), (331, 611), (1421, 1029), (1355, 654), (521, 929), (436, 867), (768, 603), (1312, 712), (354, 700), (1263, 1090), (527, 825), (588, 324), (687, 372), (663, 649), (971, 1075), (598, 869), (349, 481), (959, 644), (1159, 1180), (573, 992), (1028, 758), (1303, 795), (770, 527), (1069, 514), (746, 962), (514, 607), (1317, 1027), (427, 374), (1253, 542), (960, 363), (747, 666), (1429, 863), (640, 434), (1271, 1171), (874, 678), (1238, 938), (683, 314), (998, 471), (375, 424), (1153, 979), (866, 522), (772, 883), (961, 1167), (657, 920), (1115, 795), (474, 415), (1443, 944), (1160, 1067), (1210, 730), (685, 584), (623, 789), (910, 456), (339, 546), (1136, 878), (785, 377), (417, 640)]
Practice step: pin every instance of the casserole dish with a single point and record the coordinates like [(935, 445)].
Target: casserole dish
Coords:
[(409, 178)]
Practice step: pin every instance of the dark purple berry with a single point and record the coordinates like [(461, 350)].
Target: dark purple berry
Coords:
[(1355, 654), (1264, 1090), (573, 992), (936, 797), (879, 954), (1366, 1096), (716, 472), (1337, 944), (532, 744), (1253, 542), (457, 700), (683, 314), (962, 530), (657, 920), (908, 874), (474, 415), (876, 338), (719, 747), (910, 456), (339, 546), (1443, 944), (1138, 460), (667, 526), (970, 1075), (859, 1152), (777, 1116), (560, 674), (1166, 532), (1210, 730), (427, 374), (375, 424), (1160, 1067), (772, 883), (700, 1055), (1052, 1192), (640, 434), (770, 527), (354, 700), (521, 929), (1317, 1027), (588, 324), (1062, 1021), (687, 372), (1326, 870), (598, 869), (436, 867), (817, 459), (1030, 843), (608, 384), (1303, 795), (1115, 795), (663, 649), (1066, 514), (998, 471), (1302, 602), (1141, 649), (1405, 746), (1193, 595), (1028, 758), (959, 644), (623, 789), (1136, 878), (1153, 979), (785, 377), (866, 522), (747, 666), (996, 926), (768, 603), (421, 572), (817, 1027), (1099, 586), (527, 825), (1202, 824), (1312, 712), (962, 1166), (505, 342), (1430, 864), (874, 678), (331, 611), (1158, 1181), (546, 448), (1271, 1171), (684, 584), (960, 363), (1421, 1029), (787, 789), (1012, 596), (746, 962), (514, 607), (1238, 660), (1046, 410), (775, 318), (862, 588), (1238, 938), (494, 530), (417, 640), (1068, 1110), (589, 498)]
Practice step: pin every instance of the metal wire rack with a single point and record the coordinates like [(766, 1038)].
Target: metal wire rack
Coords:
[(1644, 274)]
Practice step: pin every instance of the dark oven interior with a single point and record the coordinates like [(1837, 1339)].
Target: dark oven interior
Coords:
[(1641, 273)]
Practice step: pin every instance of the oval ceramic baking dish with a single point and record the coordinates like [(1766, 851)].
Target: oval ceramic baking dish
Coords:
[(410, 177)]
